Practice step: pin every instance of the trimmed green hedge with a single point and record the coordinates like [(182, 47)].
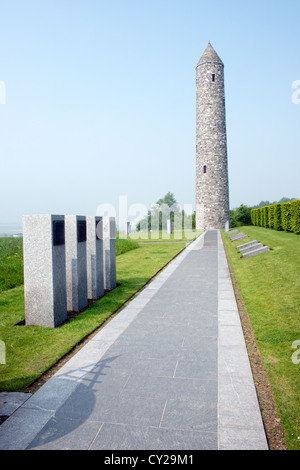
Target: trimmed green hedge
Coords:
[(277, 217), (286, 217), (280, 216), (295, 218), (271, 216)]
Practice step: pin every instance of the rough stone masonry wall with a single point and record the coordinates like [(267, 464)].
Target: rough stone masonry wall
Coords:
[(212, 193)]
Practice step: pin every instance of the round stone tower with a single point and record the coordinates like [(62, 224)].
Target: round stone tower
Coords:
[(212, 192)]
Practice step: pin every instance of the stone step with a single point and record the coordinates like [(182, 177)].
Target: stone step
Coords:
[(240, 236), (244, 245), (251, 247), (232, 232), (258, 251)]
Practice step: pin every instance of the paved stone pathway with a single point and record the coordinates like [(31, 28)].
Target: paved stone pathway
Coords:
[(169, 372)]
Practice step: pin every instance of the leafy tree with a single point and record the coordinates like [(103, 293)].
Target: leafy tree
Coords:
[(194, 220), (243, 215), (168, 199), (233, 222), (240, 216), (165, 208)]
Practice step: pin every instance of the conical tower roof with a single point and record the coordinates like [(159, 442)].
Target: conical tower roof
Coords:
[(209, 55)]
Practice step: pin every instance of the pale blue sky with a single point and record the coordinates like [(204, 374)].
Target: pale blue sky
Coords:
[(100, 100)]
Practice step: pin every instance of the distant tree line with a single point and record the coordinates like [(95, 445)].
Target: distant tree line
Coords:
[(242, 214), (167, 207)]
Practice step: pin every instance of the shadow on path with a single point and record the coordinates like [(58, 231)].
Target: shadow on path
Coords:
[(77, 409)]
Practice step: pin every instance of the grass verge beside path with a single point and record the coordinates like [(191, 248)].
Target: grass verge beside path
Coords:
[(32, 350), (11, 263), (270, 288)]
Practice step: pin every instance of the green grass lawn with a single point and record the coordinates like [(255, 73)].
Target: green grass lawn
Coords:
[(270, 287), (31, 350), (11, 263)]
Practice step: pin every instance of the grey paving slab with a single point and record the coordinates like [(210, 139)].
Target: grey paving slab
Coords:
[(245, 412), (66, 434), (21, 427), (11, 401), (169, 372), (206, 368), (52, 395), (118, 409), (234, 362), (128, 365), (242, 438), (120, 437), (184, 389), (192, 415)]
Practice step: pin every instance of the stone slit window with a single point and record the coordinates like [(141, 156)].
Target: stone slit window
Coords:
[(213, 77), (204, 168)]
